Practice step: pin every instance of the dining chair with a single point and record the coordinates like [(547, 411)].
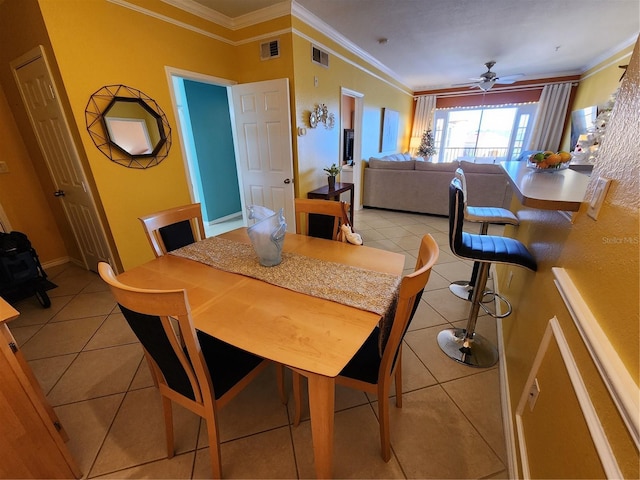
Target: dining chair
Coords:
[(177, 227), (173, 228), (320, 218), (372, 371), (203, 375)]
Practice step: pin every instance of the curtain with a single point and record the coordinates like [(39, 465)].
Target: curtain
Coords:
[(422, 120), (552, 111)]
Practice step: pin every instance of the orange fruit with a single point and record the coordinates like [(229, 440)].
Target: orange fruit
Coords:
[(553, 159), (543, 164), (564, 157)]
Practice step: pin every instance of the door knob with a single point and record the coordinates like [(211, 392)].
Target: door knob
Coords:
[(287, 181), (58, 193)]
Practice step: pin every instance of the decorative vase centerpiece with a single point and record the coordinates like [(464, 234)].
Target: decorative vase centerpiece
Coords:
[(332, 172), (267, 234)]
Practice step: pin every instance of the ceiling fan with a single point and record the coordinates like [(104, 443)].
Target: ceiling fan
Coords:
[(488, 79)]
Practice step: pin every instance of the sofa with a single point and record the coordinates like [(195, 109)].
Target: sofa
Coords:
[(402, 182)]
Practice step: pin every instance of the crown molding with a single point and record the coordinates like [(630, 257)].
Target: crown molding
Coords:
[(243, 21), (310, 19), (173, 21)]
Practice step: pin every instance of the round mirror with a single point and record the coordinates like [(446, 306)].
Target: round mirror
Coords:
[(128, 126)]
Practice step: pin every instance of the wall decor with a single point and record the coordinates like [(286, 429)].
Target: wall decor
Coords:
[(320, 114), (389, 135), (128, 127)]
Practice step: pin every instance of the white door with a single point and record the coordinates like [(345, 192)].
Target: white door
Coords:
[(262, 122), (40, 97)]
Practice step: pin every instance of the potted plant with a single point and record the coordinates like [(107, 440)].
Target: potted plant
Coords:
[(332, 172)]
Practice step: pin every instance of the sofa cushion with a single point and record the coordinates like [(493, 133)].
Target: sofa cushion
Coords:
[(469, 167), (397, 157), (437, 167), (391, 165)]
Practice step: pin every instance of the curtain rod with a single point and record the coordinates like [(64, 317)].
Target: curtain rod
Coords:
[(521, 88)]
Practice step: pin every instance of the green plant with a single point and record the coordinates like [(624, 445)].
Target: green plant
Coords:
[(333, 170)]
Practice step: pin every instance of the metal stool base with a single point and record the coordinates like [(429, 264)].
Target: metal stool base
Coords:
[(476, 352)]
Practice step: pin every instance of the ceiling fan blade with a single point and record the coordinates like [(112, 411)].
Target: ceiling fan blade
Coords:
[(463, 84), (507, 79)]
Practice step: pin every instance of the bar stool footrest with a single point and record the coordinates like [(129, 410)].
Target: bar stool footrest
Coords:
[(475, 352), (493, 314)]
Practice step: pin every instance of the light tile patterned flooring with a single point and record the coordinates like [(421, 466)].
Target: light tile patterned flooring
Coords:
[(92, 370)]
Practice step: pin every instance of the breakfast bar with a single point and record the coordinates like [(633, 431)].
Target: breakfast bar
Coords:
[(554, 190)]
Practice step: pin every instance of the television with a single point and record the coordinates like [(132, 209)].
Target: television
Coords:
[(582, 121), (347, 145)]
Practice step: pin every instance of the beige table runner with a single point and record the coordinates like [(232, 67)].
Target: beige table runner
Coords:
[(356, 287)]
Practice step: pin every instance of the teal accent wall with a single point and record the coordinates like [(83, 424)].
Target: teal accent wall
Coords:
[(211, 125)]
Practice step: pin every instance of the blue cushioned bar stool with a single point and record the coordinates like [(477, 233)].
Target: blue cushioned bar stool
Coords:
[(485, 216), (465, 345)]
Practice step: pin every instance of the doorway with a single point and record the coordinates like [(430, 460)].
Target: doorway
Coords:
[(352, 105), (42, 104), (236, 143)]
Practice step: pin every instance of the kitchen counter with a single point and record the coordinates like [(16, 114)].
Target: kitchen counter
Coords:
[(558, 190)]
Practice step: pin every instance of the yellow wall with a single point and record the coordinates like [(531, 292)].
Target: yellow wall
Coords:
[(320, 147), (596, 86), (22, 198), (99, 43), (22, 29), (602, 259)]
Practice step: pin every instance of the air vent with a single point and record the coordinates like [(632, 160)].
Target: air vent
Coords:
[(319, 56), (270, 50)]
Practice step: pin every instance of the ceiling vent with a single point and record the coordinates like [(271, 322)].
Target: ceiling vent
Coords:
[(319, 56), (270, 50)]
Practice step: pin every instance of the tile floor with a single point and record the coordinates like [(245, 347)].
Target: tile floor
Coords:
[(93, 372)]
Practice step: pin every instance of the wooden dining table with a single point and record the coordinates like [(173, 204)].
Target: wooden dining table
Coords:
[(315, 336)]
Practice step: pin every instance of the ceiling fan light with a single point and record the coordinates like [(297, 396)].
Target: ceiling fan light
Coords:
[(486, 85)]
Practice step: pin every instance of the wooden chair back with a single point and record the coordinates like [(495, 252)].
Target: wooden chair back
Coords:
[(409, 295), (173, 228), (329, 216), (161, 320)]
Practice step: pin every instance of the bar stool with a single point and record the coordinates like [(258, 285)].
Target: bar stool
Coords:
[(465, 345), (485, 216)]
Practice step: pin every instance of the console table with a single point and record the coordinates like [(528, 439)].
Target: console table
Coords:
[(334, 194)]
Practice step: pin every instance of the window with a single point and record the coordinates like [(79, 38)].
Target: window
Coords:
[(488, 134)]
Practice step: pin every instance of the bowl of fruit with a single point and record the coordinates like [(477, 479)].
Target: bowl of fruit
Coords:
[(549, 161)]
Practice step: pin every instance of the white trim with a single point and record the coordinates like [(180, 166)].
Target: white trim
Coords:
[(5, 224), (296, 11), (350, 62), (505, 399), (59, 261), (164, 18), (622, 387), (310, 19), (612, 51), (598, 436), (246, 20), (607, 65)]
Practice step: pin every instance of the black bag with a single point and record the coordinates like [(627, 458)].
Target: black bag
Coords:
[(13, 243)]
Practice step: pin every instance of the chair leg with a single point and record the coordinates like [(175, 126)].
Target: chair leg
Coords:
[(398, 378), (284, 398), (383, 419), (214, 444), (167, 409), (297, 398)]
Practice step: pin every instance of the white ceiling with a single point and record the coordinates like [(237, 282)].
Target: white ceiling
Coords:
[(436, 43)]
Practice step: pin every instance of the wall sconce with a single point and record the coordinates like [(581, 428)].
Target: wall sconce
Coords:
[(320, 114)]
